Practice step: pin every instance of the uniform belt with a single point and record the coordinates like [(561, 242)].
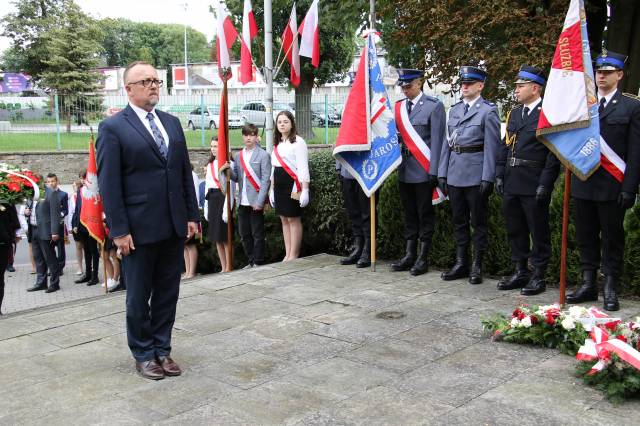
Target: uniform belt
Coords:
[(461, 149), (518, 162)]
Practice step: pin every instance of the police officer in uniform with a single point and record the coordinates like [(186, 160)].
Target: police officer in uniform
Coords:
[(427, 117), (526, 171), (467, 170), (359, 211), (601, 201)]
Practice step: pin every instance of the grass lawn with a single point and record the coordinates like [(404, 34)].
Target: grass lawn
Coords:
[(13, 142)]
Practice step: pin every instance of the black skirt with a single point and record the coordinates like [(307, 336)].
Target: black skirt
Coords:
[(217, 228), (282, 187)]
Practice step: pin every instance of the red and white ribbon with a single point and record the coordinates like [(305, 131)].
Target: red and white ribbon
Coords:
[(214, 175), (600, 347), (611, 161), (437, 196), (290, 169), (251, 175)]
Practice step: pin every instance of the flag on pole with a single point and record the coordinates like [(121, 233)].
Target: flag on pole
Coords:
[(290, 46), (310, 31), (223, 143), (367, 143), (568, 123), (226, 35), (249, 32), (92, 209)]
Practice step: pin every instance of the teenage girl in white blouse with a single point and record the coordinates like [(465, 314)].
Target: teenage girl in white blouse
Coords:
[(292, 149)]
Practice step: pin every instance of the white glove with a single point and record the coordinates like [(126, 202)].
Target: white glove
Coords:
[(304, 197), (272, 198)]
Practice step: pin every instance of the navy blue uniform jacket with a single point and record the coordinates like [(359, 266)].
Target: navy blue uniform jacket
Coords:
[(144, 195)]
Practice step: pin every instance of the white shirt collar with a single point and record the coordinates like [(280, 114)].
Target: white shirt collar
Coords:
[(141, 113), (533, 104), (472, 102), (607, 97), (415, 100)]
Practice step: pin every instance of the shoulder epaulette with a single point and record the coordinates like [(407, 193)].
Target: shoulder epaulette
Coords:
[(489, 103), (631, 95), (432, 98), (457, 103)]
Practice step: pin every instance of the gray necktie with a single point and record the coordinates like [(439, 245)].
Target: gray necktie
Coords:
[(157, 136), (466, 109), (409, 107), (525, 112)]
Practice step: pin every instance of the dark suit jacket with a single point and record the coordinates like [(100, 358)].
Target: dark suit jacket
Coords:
[(64, 202), (75, 218), (524, 180), (144, 195), (48, 216), (620, 128)]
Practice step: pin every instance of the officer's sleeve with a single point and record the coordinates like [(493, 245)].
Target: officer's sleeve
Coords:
[(445, 152), (550, 172), (438, 123), (265, 169), (491, 144), (632, 170), (501, 159)]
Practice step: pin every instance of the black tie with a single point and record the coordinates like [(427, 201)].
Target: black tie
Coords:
[(466, 109), (601, 107), (409, 106), (525, 113)]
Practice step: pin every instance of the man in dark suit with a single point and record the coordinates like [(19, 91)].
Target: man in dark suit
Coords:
[(151, 208), (603, 199), (467, 171), (52, 182), (417, 176), (47, 231), (526, 171), (91, 253)]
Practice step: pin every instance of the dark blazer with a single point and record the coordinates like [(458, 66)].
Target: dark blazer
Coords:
[(524, 180), (75, 218), (144, 195), (428, 119), (620, 128), (48, 216), (64, 202), (9, 223)]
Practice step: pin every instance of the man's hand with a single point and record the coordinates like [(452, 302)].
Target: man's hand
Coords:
[(256, 208), (27, 212), (433, 181), (543, 195), (626, 200), (55, 237), (75, 230), (442, 183), (500, 186), (192, 228), (124, 244), (486, 188)]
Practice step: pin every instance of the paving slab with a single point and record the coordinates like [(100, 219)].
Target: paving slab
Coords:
[(307, 342)]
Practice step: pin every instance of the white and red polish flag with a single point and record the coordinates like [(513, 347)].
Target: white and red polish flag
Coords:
[(310, 31), (249, 32), (290, 46), (226, 35)]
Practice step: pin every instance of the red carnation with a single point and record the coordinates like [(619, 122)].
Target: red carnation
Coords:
[(550, 319), (13, 187), (621, 337), (534, 319), (516, 313), (612, 325)]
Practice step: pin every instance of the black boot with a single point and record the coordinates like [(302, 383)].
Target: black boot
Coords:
[(408, 260), (476, 269), (610, 295), (353, 257), (84, 279), (461, 268), (422, 264), (538, 283), (365, 256), (94, 279), (519, 278), (588, 291)]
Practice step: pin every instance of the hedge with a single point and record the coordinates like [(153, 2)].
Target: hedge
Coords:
[(327, 230)]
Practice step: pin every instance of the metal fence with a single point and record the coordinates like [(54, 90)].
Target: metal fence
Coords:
[(65, 122)]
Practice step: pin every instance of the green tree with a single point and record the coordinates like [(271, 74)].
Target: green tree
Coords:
[(72, 59), (339, 22)]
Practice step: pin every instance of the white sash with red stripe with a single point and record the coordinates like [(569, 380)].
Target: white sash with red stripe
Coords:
[(291, 171), (611, 161), (419, 149), (214, 175), (251, 175)]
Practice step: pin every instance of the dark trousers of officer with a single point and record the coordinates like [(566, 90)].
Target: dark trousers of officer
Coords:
[(466, 202), (44, 255), (62, 254), (251, 227), (599, 226), (152, 272), (419, 216), (358, 208), (527, 221)]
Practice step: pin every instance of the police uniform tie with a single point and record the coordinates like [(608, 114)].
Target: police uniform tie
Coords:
[(409, 106), (157, 136), (466, 109), (525, 112), (603, 101)]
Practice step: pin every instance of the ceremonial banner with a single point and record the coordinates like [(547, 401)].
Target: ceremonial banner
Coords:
[(367, 143), (568, 123), (310, 32), (226, 35), (290, 47), (92, 209), (249, 32), (223, 143)]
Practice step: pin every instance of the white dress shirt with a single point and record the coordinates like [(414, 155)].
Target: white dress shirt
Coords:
[(296, 155), (142, 115), (607, 98), (532, 105), (210, 183)]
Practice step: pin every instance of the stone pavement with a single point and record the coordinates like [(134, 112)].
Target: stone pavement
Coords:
[(303, 343)]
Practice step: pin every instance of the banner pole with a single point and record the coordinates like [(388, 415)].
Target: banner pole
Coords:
[(372, 233), (228, 173), (565, 229)]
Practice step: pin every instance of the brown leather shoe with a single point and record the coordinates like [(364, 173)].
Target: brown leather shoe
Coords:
[(169, 366), (150, 369)]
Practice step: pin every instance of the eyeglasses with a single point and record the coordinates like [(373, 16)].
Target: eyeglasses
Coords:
[(149, 82)]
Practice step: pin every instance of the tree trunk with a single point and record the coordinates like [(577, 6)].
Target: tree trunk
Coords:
[(304, 122)]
